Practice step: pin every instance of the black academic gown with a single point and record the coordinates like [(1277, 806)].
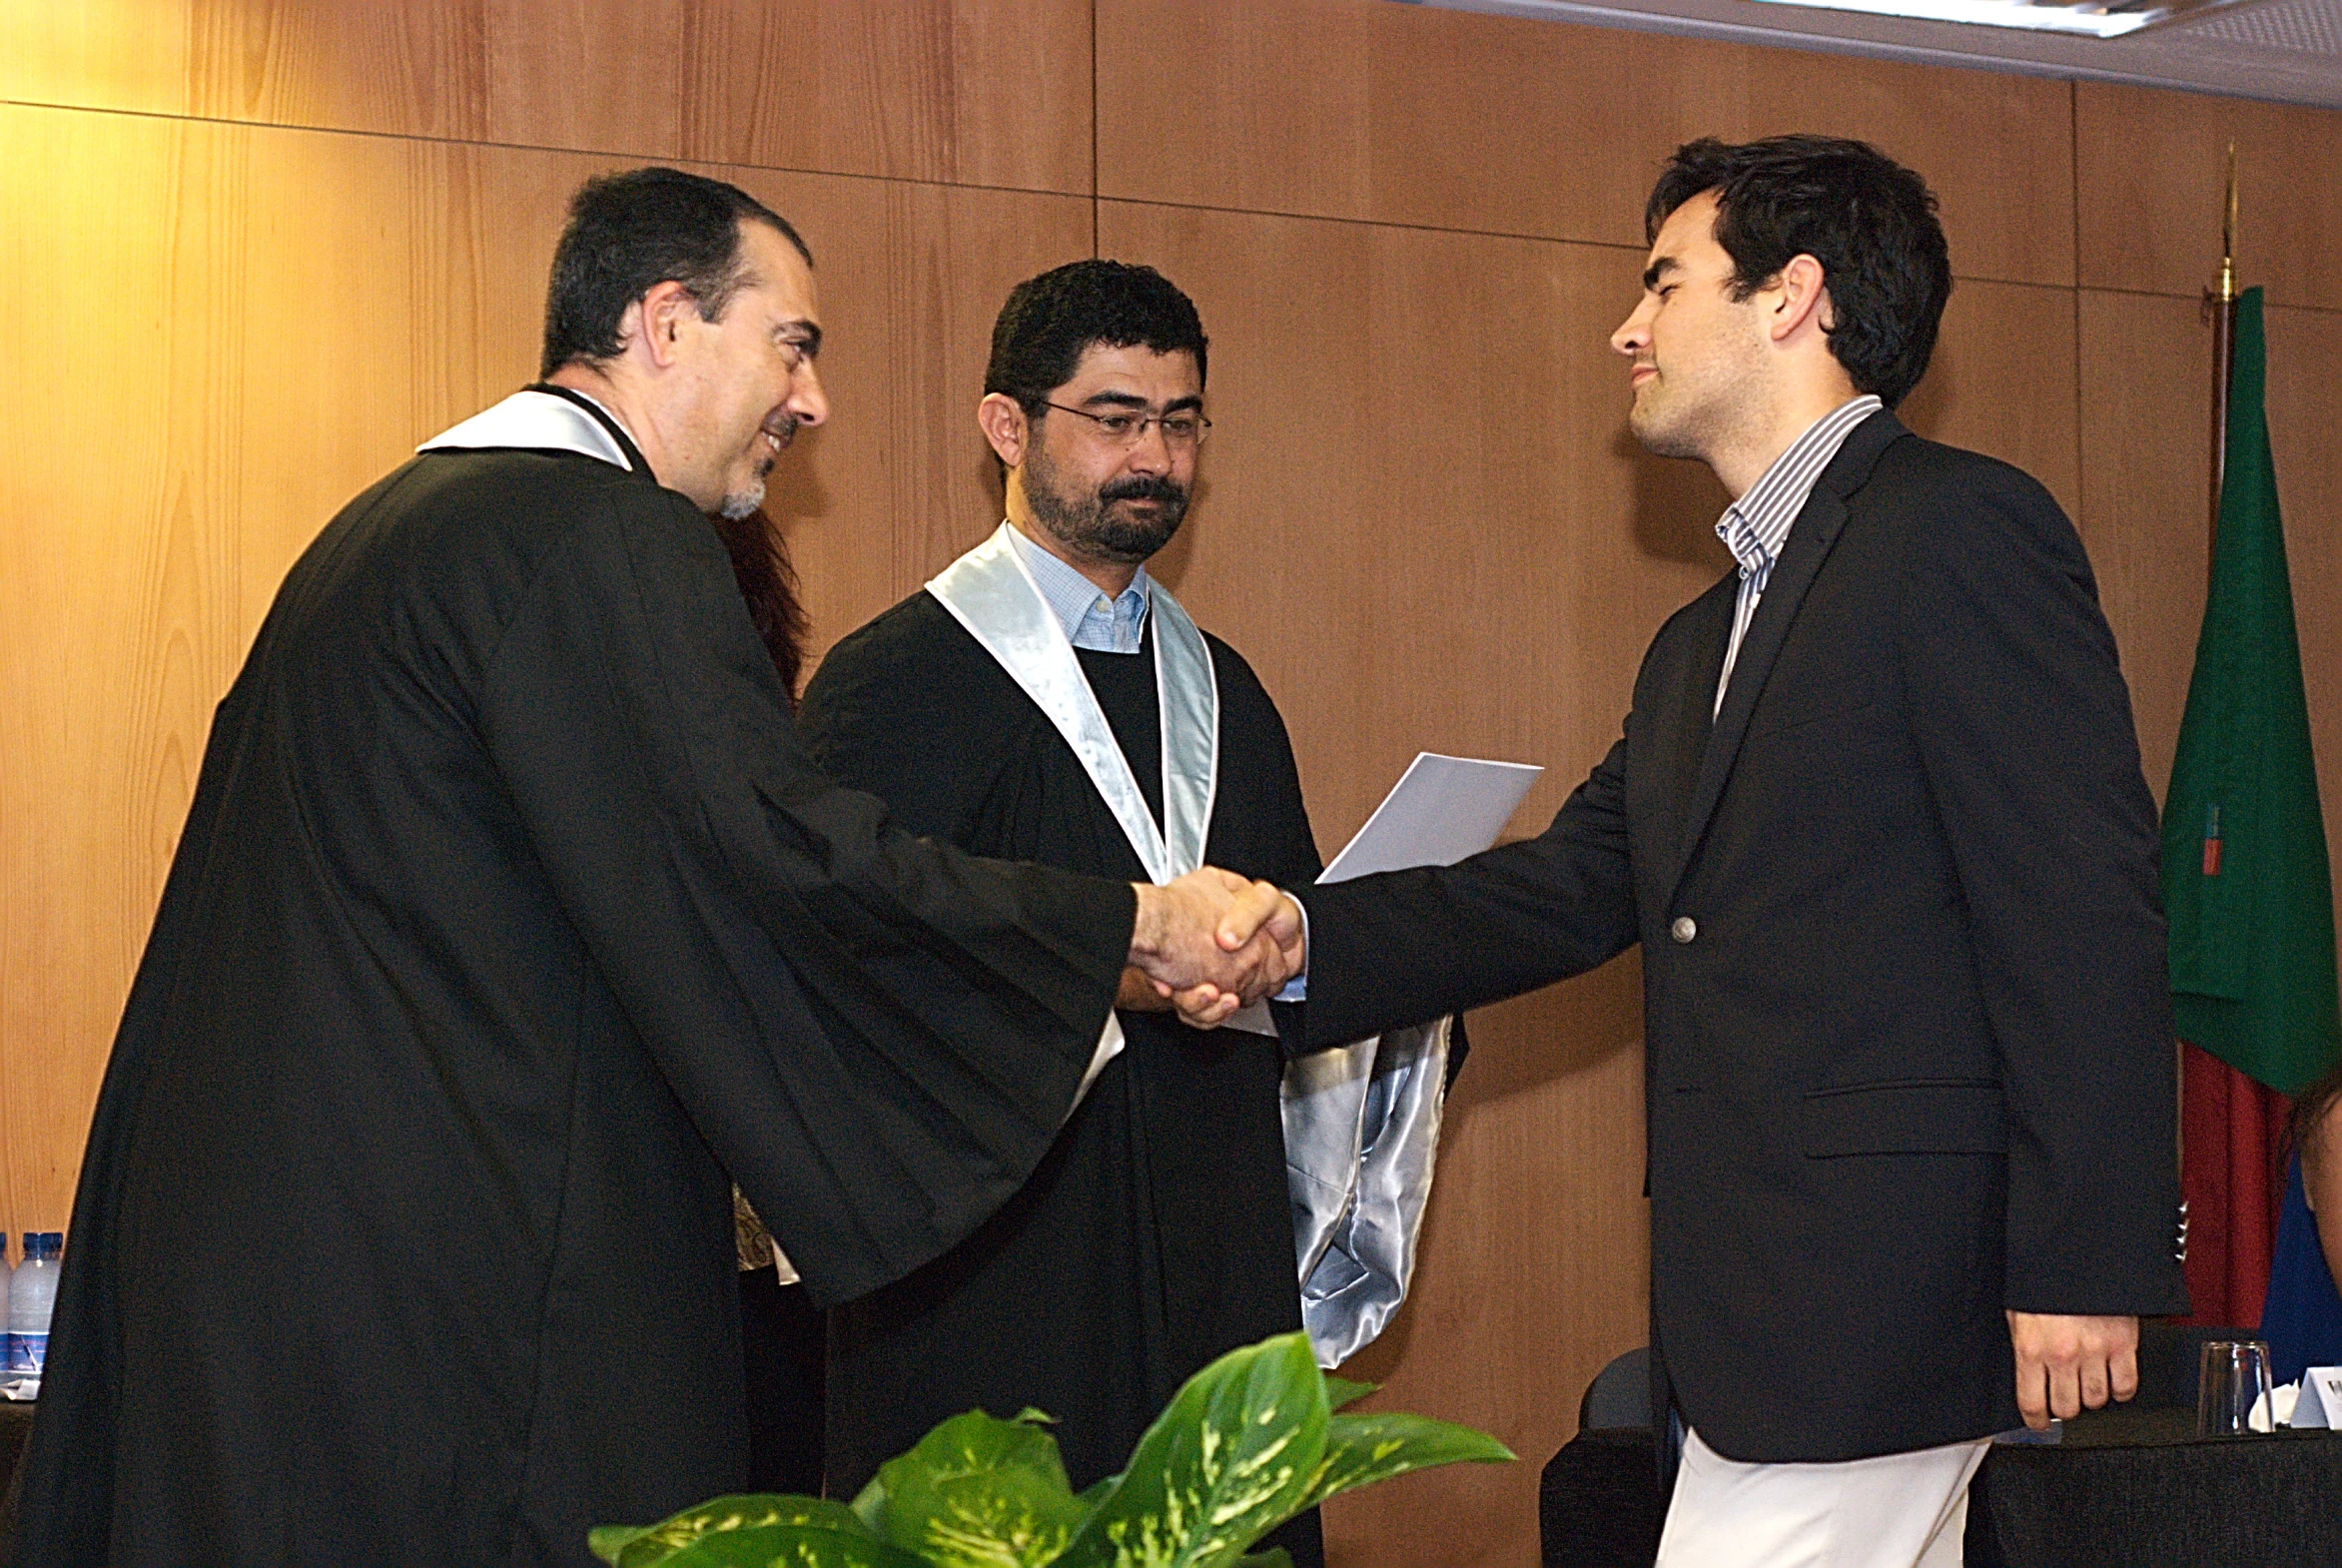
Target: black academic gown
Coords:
[(1158, 1231), (509, 918)]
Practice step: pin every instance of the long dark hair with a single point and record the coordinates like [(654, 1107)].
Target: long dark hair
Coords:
[(769, 583)]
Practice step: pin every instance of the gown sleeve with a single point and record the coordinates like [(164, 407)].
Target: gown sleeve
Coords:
[(877, 1034)]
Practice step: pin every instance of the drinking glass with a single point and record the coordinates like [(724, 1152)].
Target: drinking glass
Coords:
[(2233, 1378)]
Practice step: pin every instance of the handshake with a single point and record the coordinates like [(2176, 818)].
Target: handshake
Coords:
[(1211, 943)]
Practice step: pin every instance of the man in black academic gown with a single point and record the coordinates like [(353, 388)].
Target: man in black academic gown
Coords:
[(1046, 699), (512, 919)]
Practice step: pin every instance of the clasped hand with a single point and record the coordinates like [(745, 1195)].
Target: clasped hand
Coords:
[(1213, 942)]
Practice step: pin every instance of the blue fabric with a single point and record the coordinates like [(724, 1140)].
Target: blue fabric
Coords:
[(2302, 1318)]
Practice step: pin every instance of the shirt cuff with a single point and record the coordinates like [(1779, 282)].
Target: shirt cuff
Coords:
[(1297, 988)]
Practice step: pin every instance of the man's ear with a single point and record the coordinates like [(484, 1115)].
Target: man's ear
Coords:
[(1005, 427), (1800, 297), (655, 322)]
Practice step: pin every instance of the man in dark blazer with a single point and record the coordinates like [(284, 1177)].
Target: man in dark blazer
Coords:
[(1878, 821)]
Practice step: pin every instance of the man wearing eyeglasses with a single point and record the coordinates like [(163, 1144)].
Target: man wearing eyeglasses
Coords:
[(1043, 696)]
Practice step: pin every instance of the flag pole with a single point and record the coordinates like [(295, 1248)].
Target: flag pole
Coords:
[(2220, 310)]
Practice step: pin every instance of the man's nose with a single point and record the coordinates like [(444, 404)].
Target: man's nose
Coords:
[(1631, 333), (1151, 455), (807, 401)]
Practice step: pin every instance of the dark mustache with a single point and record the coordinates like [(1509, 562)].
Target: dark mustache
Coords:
[(1143, 487)]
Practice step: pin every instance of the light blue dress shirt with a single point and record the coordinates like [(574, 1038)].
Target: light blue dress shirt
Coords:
[(1091, 620)]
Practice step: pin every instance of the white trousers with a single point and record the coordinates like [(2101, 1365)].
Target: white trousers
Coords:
[(1906, 1511)]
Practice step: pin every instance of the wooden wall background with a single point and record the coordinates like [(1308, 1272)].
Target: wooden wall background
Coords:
[(256, 249)]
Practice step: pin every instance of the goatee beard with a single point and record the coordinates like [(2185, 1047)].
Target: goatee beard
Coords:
[(1095, 530), (742, 504)]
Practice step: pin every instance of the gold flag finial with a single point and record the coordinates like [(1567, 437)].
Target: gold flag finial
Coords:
[(2227, 287)]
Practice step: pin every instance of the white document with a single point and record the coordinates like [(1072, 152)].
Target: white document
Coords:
[(1441, 810), (2320, 1402)]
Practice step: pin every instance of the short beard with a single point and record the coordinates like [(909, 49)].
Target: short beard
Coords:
[(1087, 526), (742, 504)]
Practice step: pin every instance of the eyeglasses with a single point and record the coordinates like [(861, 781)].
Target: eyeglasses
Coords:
[(1182, 427)]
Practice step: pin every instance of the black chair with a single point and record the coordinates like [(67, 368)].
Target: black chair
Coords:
[(1597, 1502), (1620, 1394)]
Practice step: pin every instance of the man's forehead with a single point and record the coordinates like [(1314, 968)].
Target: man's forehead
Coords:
[(1105, 363), (1689, 223), (1687, 235), (777, 270)]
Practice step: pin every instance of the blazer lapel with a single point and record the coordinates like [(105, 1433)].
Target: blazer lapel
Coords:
[(1681, 725), (1808, 546)]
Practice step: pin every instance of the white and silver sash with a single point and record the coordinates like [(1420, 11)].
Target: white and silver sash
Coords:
[(990, 592), (1361, 1120), (540, 420)]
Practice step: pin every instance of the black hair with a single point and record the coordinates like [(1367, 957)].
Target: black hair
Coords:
[(1049, 322), (1869, 221), (627, 233)]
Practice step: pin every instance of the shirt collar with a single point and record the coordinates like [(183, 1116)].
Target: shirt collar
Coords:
[(1091, 620), (1756, 526)]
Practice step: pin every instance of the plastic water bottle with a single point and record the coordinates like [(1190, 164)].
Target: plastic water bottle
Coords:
[(32, 1290)]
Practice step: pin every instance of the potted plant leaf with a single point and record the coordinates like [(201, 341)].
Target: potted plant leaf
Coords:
[(1251, 1440)]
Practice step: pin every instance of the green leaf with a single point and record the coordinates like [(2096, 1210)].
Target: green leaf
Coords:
[(1340, 1393), (870, 1505), (1275, 1557), (1231, 1458), (626, 1546), (791, 1546), (1363, 1450), (980, 1493)]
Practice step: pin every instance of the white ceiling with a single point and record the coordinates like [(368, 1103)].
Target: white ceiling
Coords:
[(2288, 50)]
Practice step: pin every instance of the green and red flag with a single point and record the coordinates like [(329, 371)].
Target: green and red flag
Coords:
[(2245, 875), (2244, 840)]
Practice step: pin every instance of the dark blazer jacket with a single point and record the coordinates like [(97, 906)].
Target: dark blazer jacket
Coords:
[(1907, 1044)]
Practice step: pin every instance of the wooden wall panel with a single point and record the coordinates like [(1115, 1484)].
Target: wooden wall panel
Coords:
[(977, 92), (2150, 171), (2147, 440), (1454, 120), (1423, 522)]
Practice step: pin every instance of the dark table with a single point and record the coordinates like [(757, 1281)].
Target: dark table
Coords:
[(2126, 1488)]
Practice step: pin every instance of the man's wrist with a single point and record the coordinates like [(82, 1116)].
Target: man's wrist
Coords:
[(1146, 926)]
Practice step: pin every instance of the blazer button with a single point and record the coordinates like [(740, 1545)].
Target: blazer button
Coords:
[(1684, 929)]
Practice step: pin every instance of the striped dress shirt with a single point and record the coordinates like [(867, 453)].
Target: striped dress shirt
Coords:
[(1756, 526)]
